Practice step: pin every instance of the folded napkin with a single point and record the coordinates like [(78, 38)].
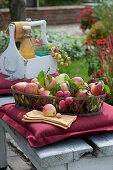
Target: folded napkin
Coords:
[(37, 116), (18, 29)]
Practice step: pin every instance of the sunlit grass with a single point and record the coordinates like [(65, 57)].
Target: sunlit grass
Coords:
[(77, 67)]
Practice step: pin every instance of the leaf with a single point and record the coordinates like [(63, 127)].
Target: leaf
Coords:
[(56, 89), (66, 78), (50, 46), (107, 89), (82, 87), (72, 86), (49, 78), (94, 100), (41, 78)]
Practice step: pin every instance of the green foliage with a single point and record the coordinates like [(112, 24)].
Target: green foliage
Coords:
[(4, 40), (78, 67), (72, 46), (58, 2)]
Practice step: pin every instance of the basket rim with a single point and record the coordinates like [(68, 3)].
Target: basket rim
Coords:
[(54, 97)]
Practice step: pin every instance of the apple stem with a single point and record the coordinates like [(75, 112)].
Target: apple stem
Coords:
[(47, 72)]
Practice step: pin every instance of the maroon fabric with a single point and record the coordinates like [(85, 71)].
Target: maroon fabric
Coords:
[(5, 85), (40, 134)]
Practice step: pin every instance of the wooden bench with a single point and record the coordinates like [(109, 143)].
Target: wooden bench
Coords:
[(90, 153)]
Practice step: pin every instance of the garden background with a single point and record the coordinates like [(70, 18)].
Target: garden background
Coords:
[(90, 52)]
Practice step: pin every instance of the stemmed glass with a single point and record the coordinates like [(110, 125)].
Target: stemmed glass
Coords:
[(10, 66)]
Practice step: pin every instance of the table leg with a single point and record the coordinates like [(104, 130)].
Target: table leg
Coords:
[(3, 152)]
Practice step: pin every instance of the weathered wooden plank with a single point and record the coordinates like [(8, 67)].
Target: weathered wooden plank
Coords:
[(6, 99), (3, 153), (103, 144), (59, 153), (92, 163), (23, 144)]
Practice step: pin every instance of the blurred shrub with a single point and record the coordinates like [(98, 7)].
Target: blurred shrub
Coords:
[(97, 31), (4, 40), (104, 11)]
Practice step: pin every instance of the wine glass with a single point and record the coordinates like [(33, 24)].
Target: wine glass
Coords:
[(10, 66)]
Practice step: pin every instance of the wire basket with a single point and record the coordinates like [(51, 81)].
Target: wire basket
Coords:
[(80, 106)]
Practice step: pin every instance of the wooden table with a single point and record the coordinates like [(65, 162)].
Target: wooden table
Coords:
[(90, 153)]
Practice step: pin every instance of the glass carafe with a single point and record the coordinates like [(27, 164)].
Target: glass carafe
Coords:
[(27, 45)]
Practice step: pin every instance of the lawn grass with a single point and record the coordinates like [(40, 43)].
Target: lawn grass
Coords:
[(77, 67)]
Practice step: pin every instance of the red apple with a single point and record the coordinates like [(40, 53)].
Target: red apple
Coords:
[(49, 110), (96, 89), (64, 87), (60, 94), (62, 104), (67, 93), (89, 86), (44, 93), (78, 81), (68, 100), (84, 93), (49, 85), (31, 88), (20, 86)]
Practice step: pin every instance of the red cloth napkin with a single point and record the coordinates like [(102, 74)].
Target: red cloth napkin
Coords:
[(40, 134), (5, 85)]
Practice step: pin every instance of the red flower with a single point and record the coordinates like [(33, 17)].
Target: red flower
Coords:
[(88, 21), (98, 74), (94, 21), (82, 16), (86, 7), (86, 43), (90, 12), (102, 70), (81, 27)]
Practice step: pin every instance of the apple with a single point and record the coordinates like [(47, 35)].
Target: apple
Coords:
[(62, 78), (75, 106), (20, 86), (49, 110), (65, 64), (62, 63), (64, 87), (68, 100), (49, 85), (67, 93), (31, 88), (62, 104), (78, 81), (34, 80), (38, 84), (44, 93), (60, 94), (96, 89), (84, 93), (89, 86)]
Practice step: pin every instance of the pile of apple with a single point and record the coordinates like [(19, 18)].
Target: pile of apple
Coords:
[(60, 55), (62, 90)]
